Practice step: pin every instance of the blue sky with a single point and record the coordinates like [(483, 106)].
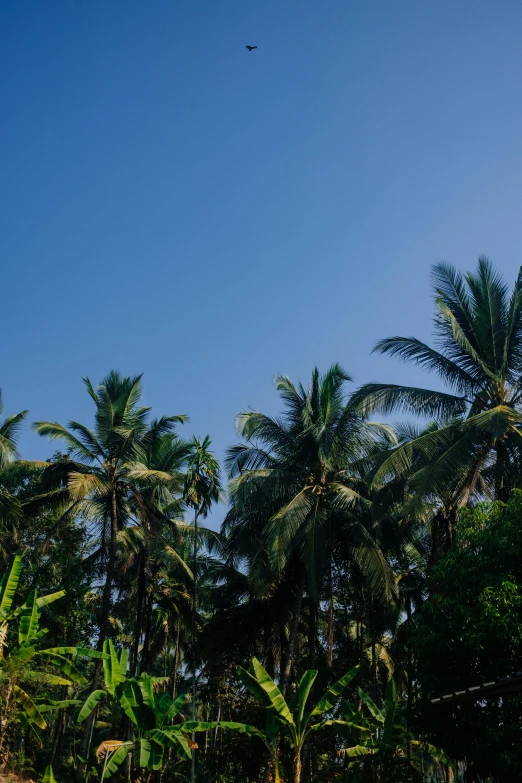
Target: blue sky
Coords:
[(174, 205)]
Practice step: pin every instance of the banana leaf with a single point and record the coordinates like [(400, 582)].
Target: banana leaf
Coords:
[(89, 704), (390, 705), (30, 707), (275, 696), (356, 751), (28, 623), (66, 666), (8, 586), (85, 652), (375, 712), (172, 738), (45, 600), (48, 776), (117, 759), (303, 691), (327, 701)]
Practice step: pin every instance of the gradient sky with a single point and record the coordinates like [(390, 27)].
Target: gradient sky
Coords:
[(174, 205)]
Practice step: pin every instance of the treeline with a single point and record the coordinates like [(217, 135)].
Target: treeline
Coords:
[(378, 566)]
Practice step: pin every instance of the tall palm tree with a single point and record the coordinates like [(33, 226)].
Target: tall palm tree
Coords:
[(9, 506), (474, 445), (107, 471), (202, 489), (157, 509), (294, 490)]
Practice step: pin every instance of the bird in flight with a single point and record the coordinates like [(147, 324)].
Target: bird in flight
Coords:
[(250, 48)]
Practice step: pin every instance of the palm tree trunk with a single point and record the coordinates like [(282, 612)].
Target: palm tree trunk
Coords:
[(362, 616), (111, 566), (59, 730), (450, 528), (4, 726), (374, 650), (500, 467), (106, 610), (194, 658), (147, 639), (292, 637), (409, 674), (174, 675), (214, 739), (312, 633), (330, 621), (139, 615)]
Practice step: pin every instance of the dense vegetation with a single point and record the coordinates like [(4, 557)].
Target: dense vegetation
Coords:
[(361, 569)]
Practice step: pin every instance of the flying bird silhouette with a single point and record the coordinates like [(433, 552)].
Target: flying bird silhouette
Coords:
[(250, 48)]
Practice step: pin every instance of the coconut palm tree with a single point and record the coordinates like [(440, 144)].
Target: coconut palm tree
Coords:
[(9, 507), (295, 491), (156, 539), (107, 470), (202, 489), (474, 445)]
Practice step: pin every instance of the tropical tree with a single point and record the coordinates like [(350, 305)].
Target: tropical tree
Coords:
[(290, 719), (470, 633), (202, 489), (168, 627), (474, 446), (114, 680), (383, 733), (152, 717), (296, 493), (106, 471), (10, 511), (24, 665), (155, 542)]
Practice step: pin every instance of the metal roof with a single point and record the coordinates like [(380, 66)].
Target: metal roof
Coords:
[(499, 687)]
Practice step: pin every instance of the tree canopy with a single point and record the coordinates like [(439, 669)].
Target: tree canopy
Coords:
[(360, 571)]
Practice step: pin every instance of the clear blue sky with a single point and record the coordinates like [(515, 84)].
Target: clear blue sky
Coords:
[(173, 205)]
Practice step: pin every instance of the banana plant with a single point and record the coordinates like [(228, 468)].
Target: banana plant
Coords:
[(126, 694), (114, 680), (290, 719), (383, 732), (21, 662), (151, 715), (8, 588), (48, 776)]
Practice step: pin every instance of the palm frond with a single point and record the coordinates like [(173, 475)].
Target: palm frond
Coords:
[(83, 485), (9, 431), (55, 431), (409, 349), (389, 398)]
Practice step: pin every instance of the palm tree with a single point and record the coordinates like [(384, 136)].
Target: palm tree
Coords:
[(9, 507), (294, 491), (202, 489), (156, 538), (106, 472), (474, 443)]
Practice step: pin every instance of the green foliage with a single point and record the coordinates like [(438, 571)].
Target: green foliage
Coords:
[(470, 632), (348, 546), (289, 720), (295, 484), (24, 664), (384, 734), (474, 447), (48, 776), (106, 477), (114, 673), (152, 716)]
